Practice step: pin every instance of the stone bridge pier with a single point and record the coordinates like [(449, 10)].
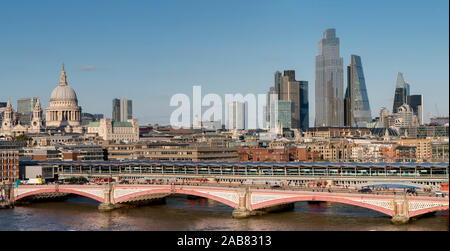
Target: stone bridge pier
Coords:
[(244, 209), (108, 198), (401, 209)]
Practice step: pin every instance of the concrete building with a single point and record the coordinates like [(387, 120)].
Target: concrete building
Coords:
[(329, 87), (236, 116), (126, 109)]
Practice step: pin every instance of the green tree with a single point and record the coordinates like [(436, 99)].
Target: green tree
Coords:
[(21, 138)]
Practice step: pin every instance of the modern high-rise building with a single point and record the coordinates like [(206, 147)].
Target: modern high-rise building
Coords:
[(25, 108), (290, 90), (400, 96), (285, 111), (329, 89), (116, 110), (304, 105), (416, 103), (271, 95), (277, 82), (357, 107), (122, 110), (236, 116), (126, 109), (297, 93)]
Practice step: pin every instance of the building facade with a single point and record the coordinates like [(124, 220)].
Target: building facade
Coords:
[(357, 107), (400, 95), (115, 131), (329, 88), (236, 116)]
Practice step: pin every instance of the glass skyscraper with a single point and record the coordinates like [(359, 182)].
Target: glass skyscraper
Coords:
[(304, 105), (25, 107), (329, 88), (357, 107), (400, 96), (416, 103), (116, 110)]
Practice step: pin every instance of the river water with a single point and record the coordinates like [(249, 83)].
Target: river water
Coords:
[(181, 213)]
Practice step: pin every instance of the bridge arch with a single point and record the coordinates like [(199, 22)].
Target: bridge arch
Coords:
[(322, 198), (177, 191), (61, 190), (427, 210)]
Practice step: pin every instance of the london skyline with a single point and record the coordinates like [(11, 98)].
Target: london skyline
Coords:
[(218, 52)]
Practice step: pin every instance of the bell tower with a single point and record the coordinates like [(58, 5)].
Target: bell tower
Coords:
[(8, 117), (36, 122)]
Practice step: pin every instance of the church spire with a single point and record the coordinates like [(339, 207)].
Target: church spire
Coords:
[(63, 79)]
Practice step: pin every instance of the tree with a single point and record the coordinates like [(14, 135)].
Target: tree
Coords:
[(21, 138)]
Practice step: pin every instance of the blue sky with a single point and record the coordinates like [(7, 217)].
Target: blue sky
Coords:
[(148, 51)]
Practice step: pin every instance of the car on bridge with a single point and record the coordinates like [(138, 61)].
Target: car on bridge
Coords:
[(439, 193), (411, 191), (365, 190)]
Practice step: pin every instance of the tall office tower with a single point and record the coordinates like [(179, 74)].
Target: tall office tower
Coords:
[(285, 112), (270, 97), (290, 90), (116, 110), (25, 107), (126, 109), (290, 74), (304, 105), (2, 104), (236, 116), (329, 89), (277, 82), (357, 107), (416, 103), (400, 96), (407, 86)]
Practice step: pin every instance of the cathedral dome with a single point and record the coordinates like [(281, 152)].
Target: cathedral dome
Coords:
[(63, 92)]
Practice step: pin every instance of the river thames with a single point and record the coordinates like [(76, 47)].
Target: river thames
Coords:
[(181, 213)]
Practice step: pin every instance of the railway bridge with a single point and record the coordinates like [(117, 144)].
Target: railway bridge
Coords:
[(246, 200)]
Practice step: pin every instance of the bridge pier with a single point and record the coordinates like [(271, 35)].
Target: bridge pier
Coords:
[(7, 193), (243, 210), (108, 202), (401, 210)]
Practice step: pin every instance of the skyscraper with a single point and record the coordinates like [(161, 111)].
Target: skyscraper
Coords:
[(126, 109), (25, 107), (304, 105), (236, 116), (122, 110), (400, 96), (357, 107), (416, 103), (329, 89), (277, 82), (116, 110), (290, 90)]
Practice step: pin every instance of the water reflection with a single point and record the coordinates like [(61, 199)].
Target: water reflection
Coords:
[(182, 213)]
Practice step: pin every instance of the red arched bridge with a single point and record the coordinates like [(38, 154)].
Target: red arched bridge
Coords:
[(245, 201)]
